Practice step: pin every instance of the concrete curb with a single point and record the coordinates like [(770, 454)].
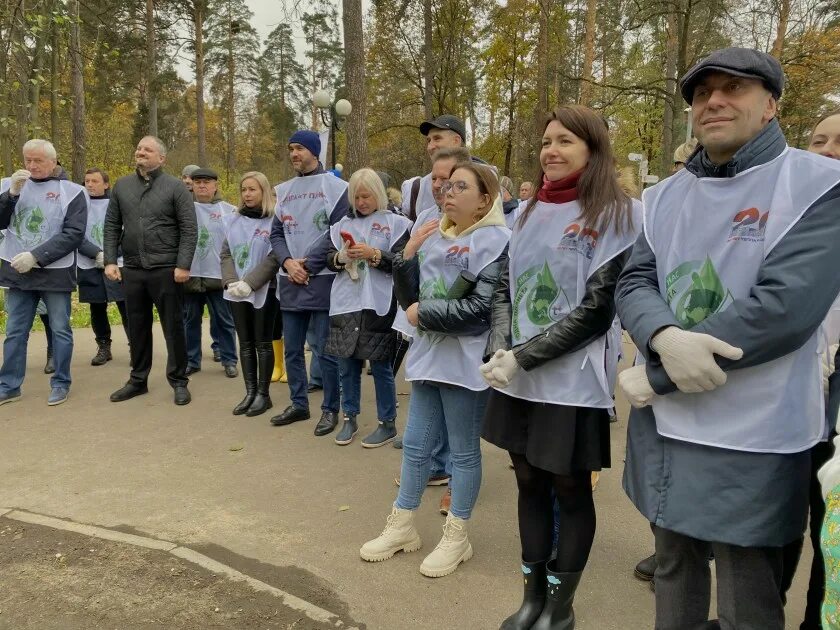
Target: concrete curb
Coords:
[(301, 605)]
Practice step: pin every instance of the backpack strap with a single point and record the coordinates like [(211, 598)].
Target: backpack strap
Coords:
[(415, 192)]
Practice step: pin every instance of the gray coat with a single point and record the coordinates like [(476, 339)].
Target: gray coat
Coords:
[(746, 499)]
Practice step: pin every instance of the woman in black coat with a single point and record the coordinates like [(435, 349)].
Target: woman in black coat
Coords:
[(362, 303)]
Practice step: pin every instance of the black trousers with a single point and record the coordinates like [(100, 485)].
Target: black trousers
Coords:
[(748, 585), (99, 320), (145, 288), (256, 325)]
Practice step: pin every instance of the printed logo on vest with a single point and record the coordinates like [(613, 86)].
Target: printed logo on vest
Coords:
[(53, 196), (381, 231), (545, 301), (29, 225), (97, 233), (579, 239), (290, 224), (202, 246), (241, 254), (749, 225), (320, 220), (694, 291), (457, 257)]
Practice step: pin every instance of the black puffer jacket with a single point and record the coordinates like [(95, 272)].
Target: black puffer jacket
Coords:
[(583, 325), (153, 219), (364, 334), (468, 316)]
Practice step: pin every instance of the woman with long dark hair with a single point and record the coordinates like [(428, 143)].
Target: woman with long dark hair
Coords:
[(552, 357)]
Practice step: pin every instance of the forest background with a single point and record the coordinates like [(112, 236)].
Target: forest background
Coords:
[(96, 75)]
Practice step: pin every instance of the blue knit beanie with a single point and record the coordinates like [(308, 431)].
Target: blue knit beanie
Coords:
[(309, 139)]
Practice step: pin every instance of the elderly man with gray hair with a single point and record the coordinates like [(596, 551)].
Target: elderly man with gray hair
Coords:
[(44, 216), (152, 217)]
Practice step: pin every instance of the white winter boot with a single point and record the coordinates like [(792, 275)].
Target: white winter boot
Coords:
[(453, 549), (399, 535)]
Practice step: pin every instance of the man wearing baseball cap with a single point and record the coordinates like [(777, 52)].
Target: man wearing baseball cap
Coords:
[(444, 132), (724, 295)]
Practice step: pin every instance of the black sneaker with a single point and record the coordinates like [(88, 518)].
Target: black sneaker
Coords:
[(217, 356)]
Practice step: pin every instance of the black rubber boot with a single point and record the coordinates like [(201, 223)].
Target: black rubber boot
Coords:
[(645, 569), (248, 359), (103, 354), (533, 601), (265, 366), (49, 368), (558, 613)]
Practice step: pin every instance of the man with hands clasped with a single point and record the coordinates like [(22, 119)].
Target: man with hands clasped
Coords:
[(43, 215), (723, 295)]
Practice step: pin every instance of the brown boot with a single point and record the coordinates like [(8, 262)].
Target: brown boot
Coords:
[(446, 502)]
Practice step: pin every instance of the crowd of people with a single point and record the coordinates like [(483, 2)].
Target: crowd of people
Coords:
[(508, 314)]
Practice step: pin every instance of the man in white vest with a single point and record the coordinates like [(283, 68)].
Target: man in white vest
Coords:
[(205, 283), (307, 205), (724, 296), (44, 216)]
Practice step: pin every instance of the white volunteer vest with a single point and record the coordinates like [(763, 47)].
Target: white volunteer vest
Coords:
[(249, 241), (401, 323), (552, 256), (38, 216), (446, 359), (304, 207), (374, 288), (710, 237), (206, 261), (425, 197), (5, 184), (94, 230)]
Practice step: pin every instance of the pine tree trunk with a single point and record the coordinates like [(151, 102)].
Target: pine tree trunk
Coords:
[(78, 109), (428, 62), (671, 97), (541, 108), (231, 108), (354, 78), (200, 122), (54, 84), (781, 29), (585, 92), (151, 71)]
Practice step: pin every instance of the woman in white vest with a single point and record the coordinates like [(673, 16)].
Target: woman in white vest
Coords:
[(362, 303), (553, 354), (249, 269), (444, 279), (94, 288)]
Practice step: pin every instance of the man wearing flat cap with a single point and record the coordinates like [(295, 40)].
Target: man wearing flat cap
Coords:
[(723, 295)]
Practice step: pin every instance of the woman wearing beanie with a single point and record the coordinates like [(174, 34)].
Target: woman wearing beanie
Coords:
[(444, 279), (249, 269), (553, 358), (362, 303)]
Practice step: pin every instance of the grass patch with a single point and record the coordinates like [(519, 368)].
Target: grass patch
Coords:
[(79, 314)]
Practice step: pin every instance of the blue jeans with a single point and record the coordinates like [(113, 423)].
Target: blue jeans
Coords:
[(383, 382), (220, 319), (441, 461), (435, 407), (295, 325), (20, 307), (315, 376)]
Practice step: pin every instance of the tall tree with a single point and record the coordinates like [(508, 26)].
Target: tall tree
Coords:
[(151, 68), (354, 79), (78, 151)]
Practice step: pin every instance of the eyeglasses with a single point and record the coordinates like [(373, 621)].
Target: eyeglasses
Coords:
[(456, 187)]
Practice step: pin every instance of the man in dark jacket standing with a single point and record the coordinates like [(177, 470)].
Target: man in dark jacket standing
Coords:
[(724, 295), (307, 205), (44, 216), (152, 217)]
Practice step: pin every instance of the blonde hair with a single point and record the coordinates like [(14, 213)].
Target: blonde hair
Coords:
[(684, 151), (394, 196), (262, 181), (628, 182), (368, 178)]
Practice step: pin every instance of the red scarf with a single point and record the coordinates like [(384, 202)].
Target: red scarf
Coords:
[(561, 190)]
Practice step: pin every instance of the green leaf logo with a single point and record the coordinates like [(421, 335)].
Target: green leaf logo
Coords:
[(241, 253), (541, 297), (203, 245), (320, 220), (97, 233), (704, 296), (434, 288)]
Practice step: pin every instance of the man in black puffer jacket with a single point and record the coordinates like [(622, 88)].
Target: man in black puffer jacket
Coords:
[(152, 217)]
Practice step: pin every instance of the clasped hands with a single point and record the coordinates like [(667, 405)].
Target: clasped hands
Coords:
[(689, 360), (500, 369)]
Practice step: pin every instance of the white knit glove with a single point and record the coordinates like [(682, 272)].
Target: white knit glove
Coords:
[(18, 180), (100, 260), (689, 358), (342, 258), (500, 369), (240, 289), (24, 262), (633, 382)]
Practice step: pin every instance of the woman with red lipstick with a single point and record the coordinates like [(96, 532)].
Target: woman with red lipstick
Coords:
[(552, 357)]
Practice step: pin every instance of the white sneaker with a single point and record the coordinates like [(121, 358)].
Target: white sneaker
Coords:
[(399, 535), (453, 549)]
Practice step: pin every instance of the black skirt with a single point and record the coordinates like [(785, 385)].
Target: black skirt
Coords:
[(560, 439), (95, 288)]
